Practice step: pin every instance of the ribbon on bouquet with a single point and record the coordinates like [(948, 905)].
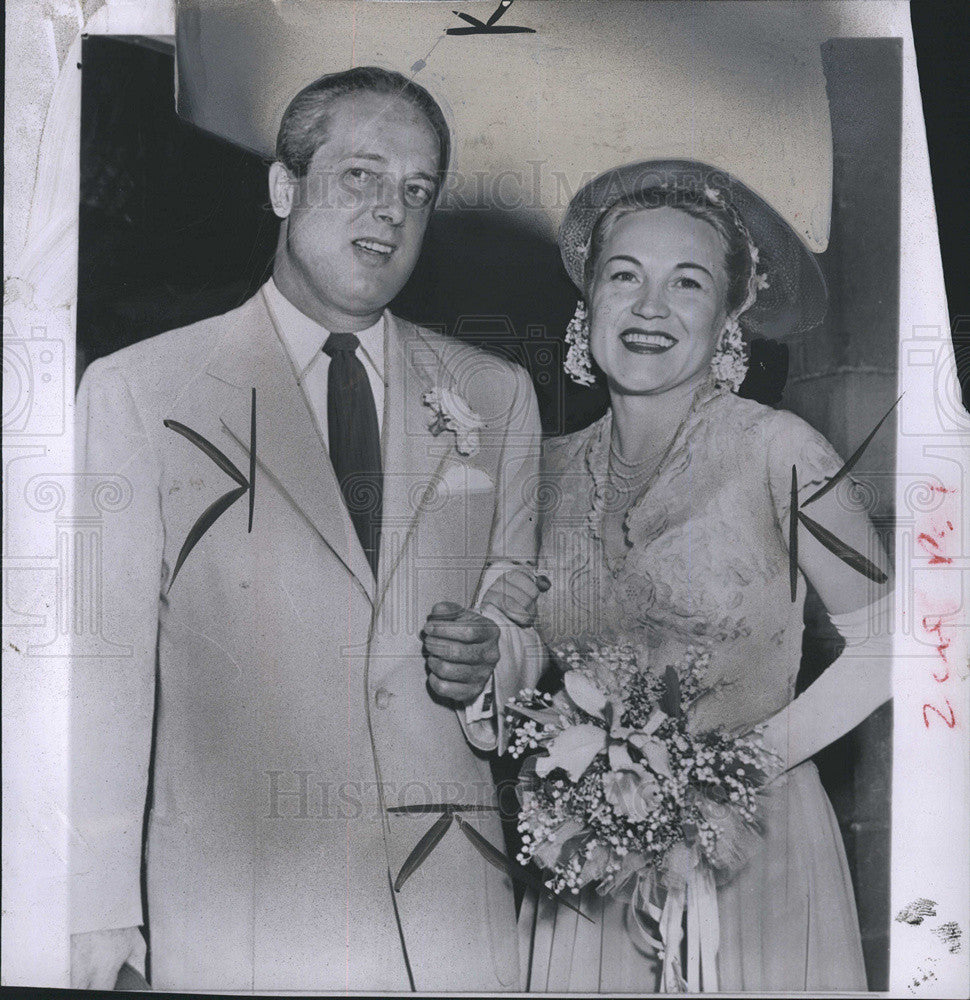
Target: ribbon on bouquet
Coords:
[(692, 890)]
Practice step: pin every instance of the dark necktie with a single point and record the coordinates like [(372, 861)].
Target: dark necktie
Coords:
[(355, 440)]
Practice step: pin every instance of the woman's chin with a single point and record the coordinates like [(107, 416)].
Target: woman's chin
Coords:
[(654, 384), (639, 387)]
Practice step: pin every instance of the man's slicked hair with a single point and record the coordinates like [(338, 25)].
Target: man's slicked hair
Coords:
[(305, 123)]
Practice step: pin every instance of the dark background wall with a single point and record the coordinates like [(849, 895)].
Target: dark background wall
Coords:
[(941, 31), (842, 380), (174, 226)]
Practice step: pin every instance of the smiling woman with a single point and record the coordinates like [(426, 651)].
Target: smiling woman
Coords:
[(669, 273), (677, 505), (651, 300)]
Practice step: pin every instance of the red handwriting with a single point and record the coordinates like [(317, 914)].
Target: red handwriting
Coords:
[(942, 643), (931, 541), (933, 625), (949, 723), (936, 557)]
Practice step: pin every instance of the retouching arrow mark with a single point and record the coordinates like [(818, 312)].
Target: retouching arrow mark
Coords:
[(215, 510), (489, 27), (499, 11), (835, 545), (850, 464)]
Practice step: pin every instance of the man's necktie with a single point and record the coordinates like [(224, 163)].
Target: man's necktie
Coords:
[(355, 440)]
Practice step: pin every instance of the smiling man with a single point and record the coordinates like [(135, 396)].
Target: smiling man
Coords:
[(315, 701)]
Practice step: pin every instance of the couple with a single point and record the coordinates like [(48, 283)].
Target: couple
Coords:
[(321, 673)]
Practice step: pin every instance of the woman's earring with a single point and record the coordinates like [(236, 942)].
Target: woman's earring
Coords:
[(578, 364), (729, 365)]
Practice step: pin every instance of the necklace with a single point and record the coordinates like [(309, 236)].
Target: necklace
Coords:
[(627, 477), (625, 469), (610, 484)]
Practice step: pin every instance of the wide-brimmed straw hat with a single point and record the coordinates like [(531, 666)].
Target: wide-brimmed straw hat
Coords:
[(795, 297)]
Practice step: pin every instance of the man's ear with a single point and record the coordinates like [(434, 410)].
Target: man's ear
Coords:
[(282, 189)]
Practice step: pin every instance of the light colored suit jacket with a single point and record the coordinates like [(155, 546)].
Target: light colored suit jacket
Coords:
[(285, 683)]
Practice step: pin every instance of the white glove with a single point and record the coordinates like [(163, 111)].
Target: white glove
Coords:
[(849, 691)]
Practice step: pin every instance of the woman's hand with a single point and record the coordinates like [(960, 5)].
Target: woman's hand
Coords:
[(516, 594)]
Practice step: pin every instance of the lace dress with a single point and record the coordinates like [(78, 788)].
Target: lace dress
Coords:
[(706, 564)]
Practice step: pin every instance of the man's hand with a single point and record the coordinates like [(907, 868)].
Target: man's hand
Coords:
[(515, 594), (461, 649), (97, 957)]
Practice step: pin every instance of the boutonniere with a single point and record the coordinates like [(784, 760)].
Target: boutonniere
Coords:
[(451, 412)]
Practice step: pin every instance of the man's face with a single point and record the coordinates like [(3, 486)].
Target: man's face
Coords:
[(358, 216)]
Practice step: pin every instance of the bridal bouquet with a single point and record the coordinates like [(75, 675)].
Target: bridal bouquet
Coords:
[(619, 793)]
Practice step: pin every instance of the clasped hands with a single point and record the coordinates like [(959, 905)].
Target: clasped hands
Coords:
[(461, 646)]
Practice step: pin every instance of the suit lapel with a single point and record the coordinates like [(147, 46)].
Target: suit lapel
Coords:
[(288, 449), (413, 457)]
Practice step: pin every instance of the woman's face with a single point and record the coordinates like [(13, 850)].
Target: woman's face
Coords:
[(657, 300)]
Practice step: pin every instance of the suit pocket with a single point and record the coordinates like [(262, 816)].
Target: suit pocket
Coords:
[(459, 479)]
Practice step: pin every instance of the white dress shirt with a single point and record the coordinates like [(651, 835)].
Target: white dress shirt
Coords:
[(303, 339)]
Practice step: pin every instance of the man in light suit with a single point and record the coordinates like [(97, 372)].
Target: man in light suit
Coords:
[(299, 692)]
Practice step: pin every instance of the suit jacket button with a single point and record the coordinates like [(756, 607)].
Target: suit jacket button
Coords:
[(382, 698)]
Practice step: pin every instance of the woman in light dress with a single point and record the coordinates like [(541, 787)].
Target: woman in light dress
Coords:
[(667, 524)]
